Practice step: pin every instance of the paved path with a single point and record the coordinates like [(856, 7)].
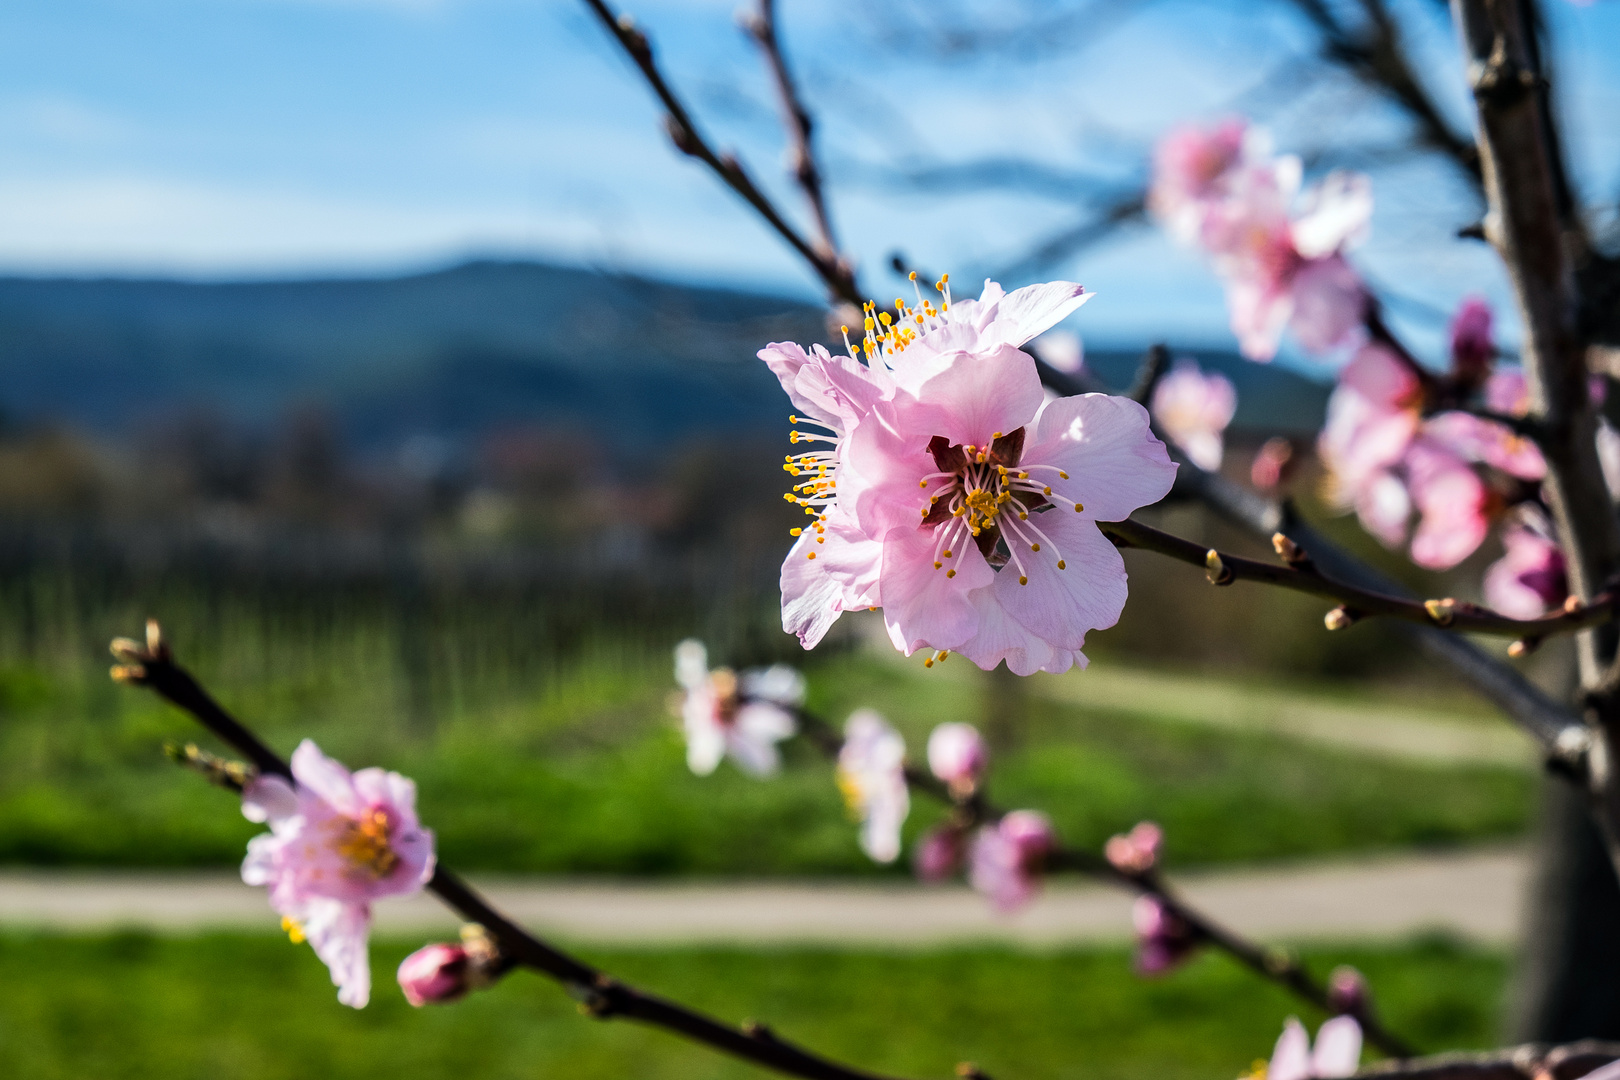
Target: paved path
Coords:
[(1476, 895)]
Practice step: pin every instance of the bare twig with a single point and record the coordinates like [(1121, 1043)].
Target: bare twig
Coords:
[(601, 995), (1276, 965), (1533, 1061), (761, 26), (834, 272)]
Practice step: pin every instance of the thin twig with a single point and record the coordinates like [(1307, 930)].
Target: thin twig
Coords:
[(796, 118), (1533, 1061), (834, 272), (601, 995), (1300, 574), (1277, 965)]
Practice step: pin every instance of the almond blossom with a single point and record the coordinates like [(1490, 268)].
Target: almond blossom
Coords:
[(955, 497), (740, 717), (1283, 267), (1372, 418), (338, 841), (1008, 858), (439, 973), (871, 774), (938, 853), (1473, 346), (1163, 938), (1137, 851), (1193, 409), (1337, 1052), (1530, 577)]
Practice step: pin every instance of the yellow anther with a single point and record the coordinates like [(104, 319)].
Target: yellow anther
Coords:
[(795, 532), (1023, 517), (1034, 547), (870, 325), (948, 554), (944, 654), (922, 483), (938, 565), (928, 662), (1022, 580), (883, 317), (295, 933), (950, 573), (1062, 565), (1063, 474), (1078, 508), (912, 276), (996, 435), (811, 555)]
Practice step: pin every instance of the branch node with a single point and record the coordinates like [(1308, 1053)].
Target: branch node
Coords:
[(1523, 647), (233, 775), (1340, 618), (1216, 569), (1290, 552), (1443, 612), (1278, 960), (969, 1071)]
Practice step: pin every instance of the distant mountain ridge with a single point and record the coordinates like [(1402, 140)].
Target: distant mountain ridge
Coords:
[(453, 353)]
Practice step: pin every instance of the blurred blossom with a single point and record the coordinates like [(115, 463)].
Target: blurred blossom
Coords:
[(1008, 859), (871, 774), (724, 716), (1372, 419), (1608, 450), (1337, 1052), (1137, 851), (1272, 464), (1062, 349), (1193, 409), (1190, 168), (337, 842), (1283, 269), (938, 854), (1529, 579), (1474, 438), (957, 755), (1472, 345), (1507, 392), (956, 496), (1453, 505), (1163, 938)]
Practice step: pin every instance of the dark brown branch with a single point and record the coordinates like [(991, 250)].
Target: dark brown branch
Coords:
[(1277, 965), (796, 118), (601, 995), (1302, 575), (834, 272), (1533, 1061)]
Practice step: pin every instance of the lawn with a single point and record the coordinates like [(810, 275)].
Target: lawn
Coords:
[(582, 771), (131, 1007)]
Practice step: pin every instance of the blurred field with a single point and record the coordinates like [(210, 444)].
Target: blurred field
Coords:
[(129, 1007)]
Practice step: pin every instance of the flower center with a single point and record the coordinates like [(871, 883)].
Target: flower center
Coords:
[(364, 844), (986, 495)]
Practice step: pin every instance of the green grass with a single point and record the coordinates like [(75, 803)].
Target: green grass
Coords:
[(129, 1007), (583, 772)]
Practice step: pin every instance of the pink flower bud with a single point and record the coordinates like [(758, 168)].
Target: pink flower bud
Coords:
[(1163, 939), (1135, 852), (434, 973), (1273, 464), (1472, 345), (938, 855), (957, 754), (1347, 990)]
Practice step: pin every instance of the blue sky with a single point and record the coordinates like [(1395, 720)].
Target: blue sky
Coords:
[(228, 138)]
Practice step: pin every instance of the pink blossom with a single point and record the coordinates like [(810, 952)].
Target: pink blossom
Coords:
[(1473, 347), (1137, 851), (1372, 419), (1008, 858), (938, 854), (1530, 578), (1475, 438), (1453, 504), (957, 754), (1190, 165), (1347, 990), (1507, 392), (741, 718), (961, 497), (1193, 409), (338, 841), (1337, 1052), (871, 774), (433, 974), (1273, 464), (1163, 938)]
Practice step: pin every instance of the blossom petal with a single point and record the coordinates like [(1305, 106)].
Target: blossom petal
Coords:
[(1338, 1049), (1329, 304), (337, 931), (842, 577), (1060, 606), (921, 605), (269, 798), (1034, 309), (691, 664), (1000, 637), (325, 778), (975, 398), (1115, 465), (705, 739), (1291, 1060), (1337, 214)]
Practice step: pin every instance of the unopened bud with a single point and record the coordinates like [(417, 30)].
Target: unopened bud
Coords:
[(1340, 618), (958, 756), (1216, 569), (1290, 552), (1347, 990), (1137, 851), (1572, 604), (1523, 647), (434, 974), (1441, 611)]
